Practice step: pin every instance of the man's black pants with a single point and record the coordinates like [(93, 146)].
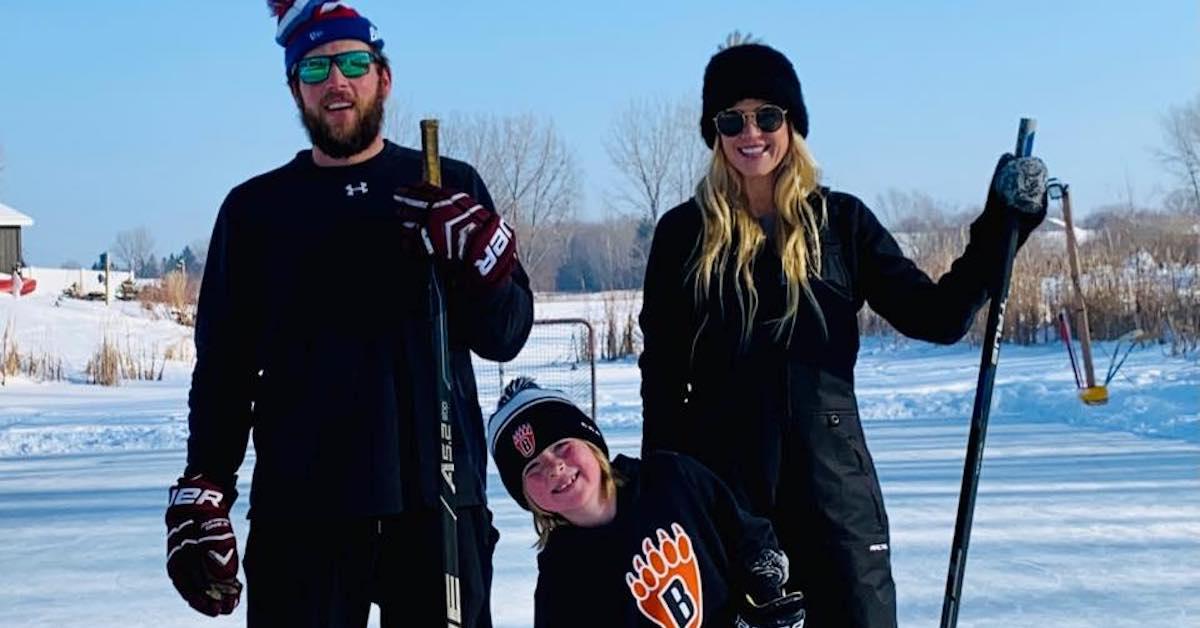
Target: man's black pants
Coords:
[(311, 572)]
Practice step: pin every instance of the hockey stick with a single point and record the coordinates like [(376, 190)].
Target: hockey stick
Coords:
[(1134, 336), (432, 173), (1064, 332), (983, 402)]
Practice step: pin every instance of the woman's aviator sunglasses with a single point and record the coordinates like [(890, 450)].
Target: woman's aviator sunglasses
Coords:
[(767, 118), (352, 64)]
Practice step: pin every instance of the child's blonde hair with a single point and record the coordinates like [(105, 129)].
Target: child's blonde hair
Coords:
[(544, 522)]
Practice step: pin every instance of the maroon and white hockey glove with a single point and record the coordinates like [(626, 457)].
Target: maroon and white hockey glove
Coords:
[(457, 229), (202, 557)]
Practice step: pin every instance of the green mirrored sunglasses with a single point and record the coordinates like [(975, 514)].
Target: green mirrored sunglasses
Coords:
[(352, 64)]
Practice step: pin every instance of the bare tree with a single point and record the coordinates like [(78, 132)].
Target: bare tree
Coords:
[(199, 248), (917, 211), (659, 153), (531, 173), (1179, 202), (614, 243), (401, 126), (133, 247), (1181, 133), (598, 256), (526, 165), (473, 138)]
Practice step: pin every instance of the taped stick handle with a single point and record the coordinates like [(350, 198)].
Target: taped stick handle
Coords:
[(431, 166), (1025, 132)]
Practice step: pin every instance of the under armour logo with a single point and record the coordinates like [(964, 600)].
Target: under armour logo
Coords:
[(361, 188)]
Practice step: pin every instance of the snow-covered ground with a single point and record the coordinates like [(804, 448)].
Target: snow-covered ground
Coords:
[(1085, 517)]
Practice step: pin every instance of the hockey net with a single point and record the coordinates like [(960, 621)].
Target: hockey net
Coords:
[(559, 354)]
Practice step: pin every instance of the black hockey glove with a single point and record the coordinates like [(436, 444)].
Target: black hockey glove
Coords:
[(1017, 189), (786, 611), (202, 555), (768, 574)]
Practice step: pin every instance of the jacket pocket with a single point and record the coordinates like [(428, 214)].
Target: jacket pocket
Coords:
[(845, 483), (834, 273)]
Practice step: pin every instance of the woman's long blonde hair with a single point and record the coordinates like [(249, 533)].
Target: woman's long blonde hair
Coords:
[(544, 522), (730, 231)]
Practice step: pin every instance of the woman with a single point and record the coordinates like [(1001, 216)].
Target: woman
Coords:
[(752, 293)]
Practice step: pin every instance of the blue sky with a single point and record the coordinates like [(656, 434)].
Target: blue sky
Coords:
[(135, 113)]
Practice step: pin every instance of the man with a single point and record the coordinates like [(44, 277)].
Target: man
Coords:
[(331, 365)]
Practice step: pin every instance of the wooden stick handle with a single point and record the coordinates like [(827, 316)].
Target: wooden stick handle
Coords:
[(431, 171)]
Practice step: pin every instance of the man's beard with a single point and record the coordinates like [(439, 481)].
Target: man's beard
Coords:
[(339, 144)]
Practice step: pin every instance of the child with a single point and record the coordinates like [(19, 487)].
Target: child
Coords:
[(656, 542)]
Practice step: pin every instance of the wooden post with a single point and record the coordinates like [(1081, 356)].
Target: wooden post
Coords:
[(1085, 331), (107, 272)]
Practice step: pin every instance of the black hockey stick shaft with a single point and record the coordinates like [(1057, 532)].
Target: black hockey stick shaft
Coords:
[(1064, 332), (998, 293), (432, 173)]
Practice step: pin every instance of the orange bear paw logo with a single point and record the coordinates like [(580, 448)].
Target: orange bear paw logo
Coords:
[(666, 581)]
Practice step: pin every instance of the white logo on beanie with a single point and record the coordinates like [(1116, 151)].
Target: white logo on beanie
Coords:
[(520, 395), (524, 440)]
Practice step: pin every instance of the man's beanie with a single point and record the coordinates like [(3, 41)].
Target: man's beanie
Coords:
[(750, 71), (528, 419), (306, 24)]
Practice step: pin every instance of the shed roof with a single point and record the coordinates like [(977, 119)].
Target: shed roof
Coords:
[(10, 217)]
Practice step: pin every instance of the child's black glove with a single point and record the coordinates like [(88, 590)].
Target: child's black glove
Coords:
[(786, 611)]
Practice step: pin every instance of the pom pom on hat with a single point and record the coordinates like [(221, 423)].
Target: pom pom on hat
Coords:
[(307, 24)]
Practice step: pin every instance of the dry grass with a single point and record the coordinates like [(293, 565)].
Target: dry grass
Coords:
[(585, 347), (114, 362), (182, 350), (10, 355), (40, 367), (620, 334), (175, 291), (105, 366), (1138, 277), (1136, 274)]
